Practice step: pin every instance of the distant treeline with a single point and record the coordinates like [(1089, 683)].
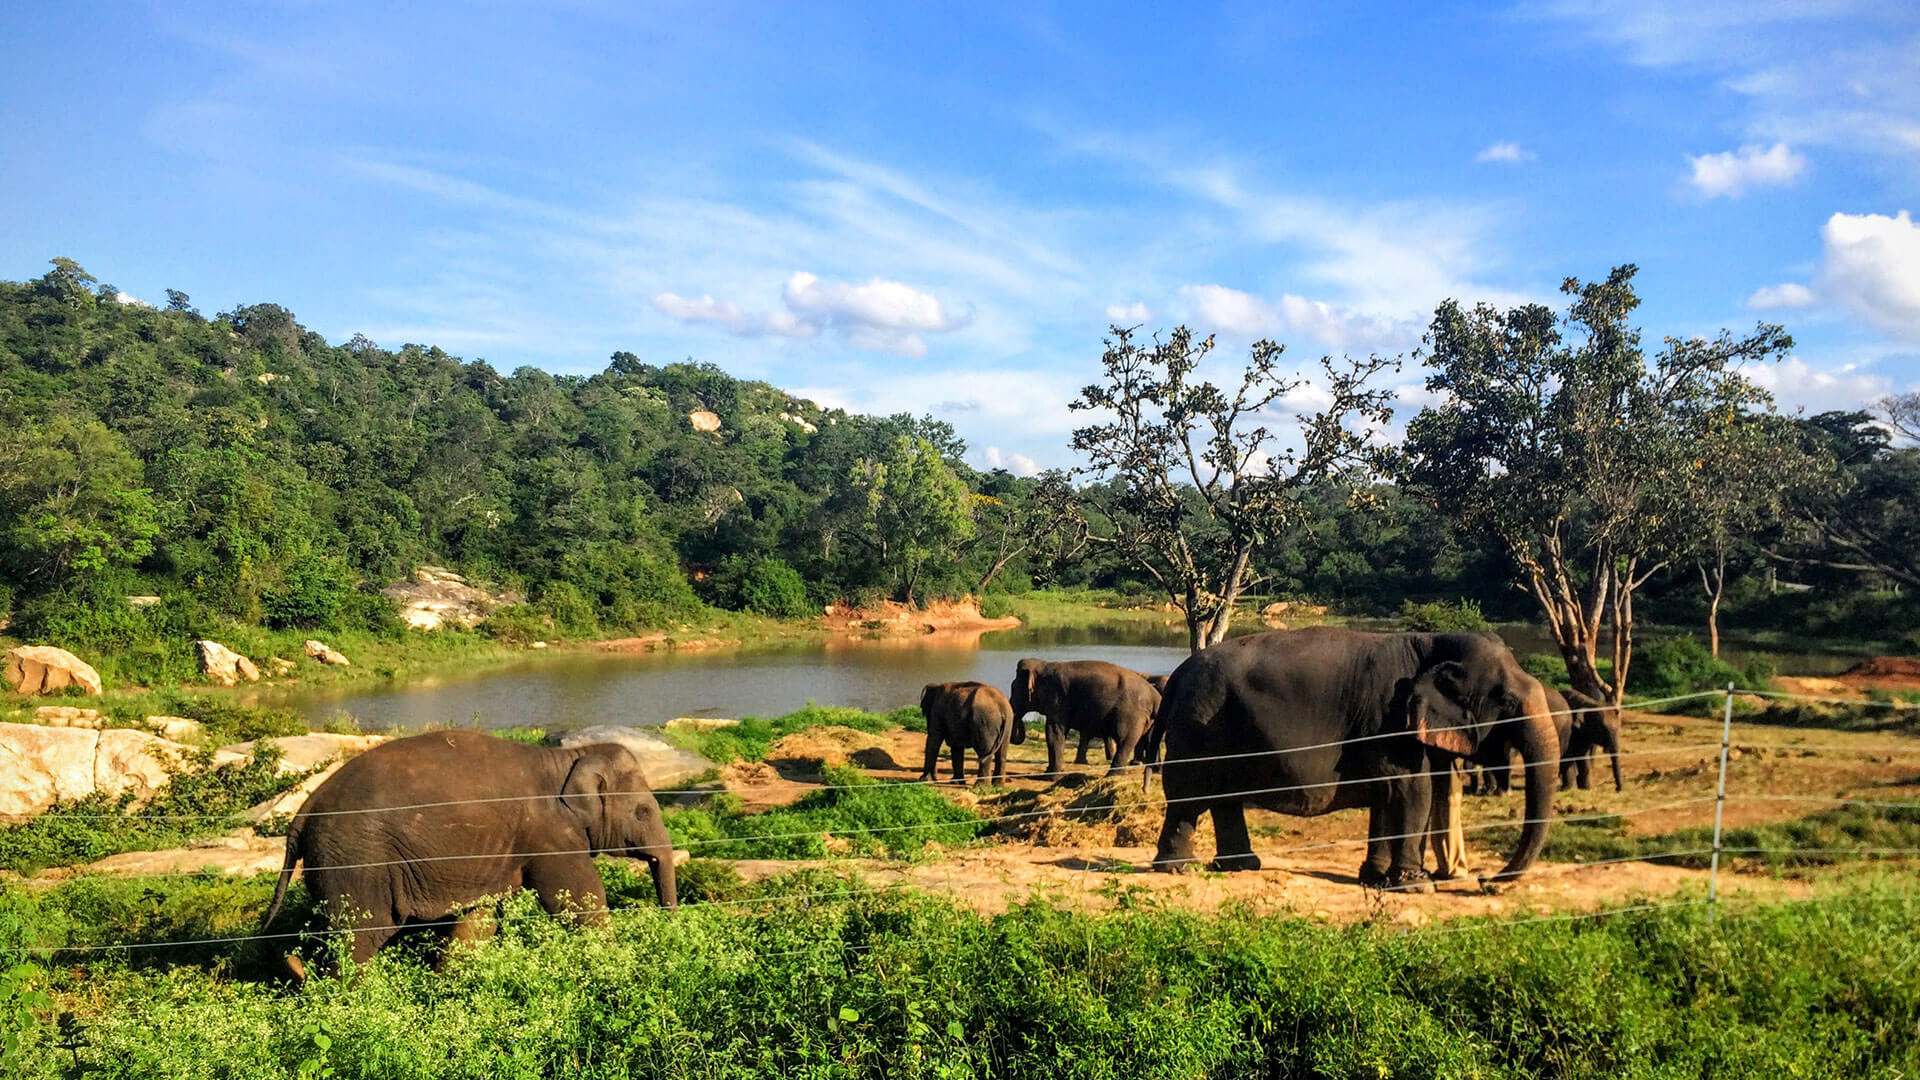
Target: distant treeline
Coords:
[(247, 471)]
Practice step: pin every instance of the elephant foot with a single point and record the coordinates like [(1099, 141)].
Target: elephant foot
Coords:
[(1410, 880), (1175, 863), (1372, 877), (1229, 863)]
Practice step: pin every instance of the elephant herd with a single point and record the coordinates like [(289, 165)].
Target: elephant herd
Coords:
[(1300, 722)]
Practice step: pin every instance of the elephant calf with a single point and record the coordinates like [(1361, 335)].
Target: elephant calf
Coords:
[(413, 830), (1099, 700), (1581, 731), (969, 716)]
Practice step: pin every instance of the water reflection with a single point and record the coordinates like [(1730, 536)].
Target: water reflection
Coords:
[(570, 689)]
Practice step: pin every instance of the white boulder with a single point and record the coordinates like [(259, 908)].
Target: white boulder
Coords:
[(224, 667), (325, 654), (43, 669), (663, 763)]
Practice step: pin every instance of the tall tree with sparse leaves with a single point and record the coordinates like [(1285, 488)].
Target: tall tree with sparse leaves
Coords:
[(1202, 483)]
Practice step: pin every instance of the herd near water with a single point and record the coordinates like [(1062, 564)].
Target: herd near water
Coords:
[(1300, 722)]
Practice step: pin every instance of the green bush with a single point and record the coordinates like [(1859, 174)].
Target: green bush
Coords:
[(1667, 667), (871, 817), (997, 605), (308, 596), (774, 589), (891, 984), (1439, 618), (518, 624), (749, 738), (1549, 669)]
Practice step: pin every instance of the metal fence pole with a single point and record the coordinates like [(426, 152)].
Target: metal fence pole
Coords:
[(1720, 807)]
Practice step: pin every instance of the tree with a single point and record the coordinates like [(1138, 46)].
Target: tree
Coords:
[(1902, 413), (1047, 517), (181, 302), (71, 503), (1747, 470), (916, 509), (1200, 483), (1862, 512), (1575, 455)]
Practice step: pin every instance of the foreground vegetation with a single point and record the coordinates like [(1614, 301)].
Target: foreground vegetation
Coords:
[(905, 985)]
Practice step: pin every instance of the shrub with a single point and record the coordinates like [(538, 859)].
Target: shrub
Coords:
[(870, 817), (308, 596), (774, 589), (518, 624), (749, 738), (997, 605), (1549, 669), (1439, 618), (1666, 667)]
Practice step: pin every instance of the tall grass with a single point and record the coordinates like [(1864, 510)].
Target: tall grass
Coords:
[(862, 816), (911, 986)]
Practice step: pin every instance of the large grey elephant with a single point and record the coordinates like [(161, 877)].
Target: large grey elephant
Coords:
[(969, 716), (1581, 730), (1321, 719), (1100, 700), (413, 830)]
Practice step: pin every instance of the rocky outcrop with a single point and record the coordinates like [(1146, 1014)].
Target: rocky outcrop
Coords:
[(242, 853), (704, 420), (68, 716), (280, 666), (43, 669), (664, 764), (301, 752), (43, 765), (178, 729), (322, 652), (438, 597), (224, 667)]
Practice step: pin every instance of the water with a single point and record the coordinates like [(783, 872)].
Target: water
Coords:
[(566, 689)]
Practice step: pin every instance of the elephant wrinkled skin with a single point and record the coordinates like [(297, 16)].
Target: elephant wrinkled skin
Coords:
[(483, 816), (1310, 721), (1100, 700), (969, 716)]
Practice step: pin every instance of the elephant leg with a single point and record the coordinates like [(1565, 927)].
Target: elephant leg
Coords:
[(1233, 848), (1373, 871), (471, 929), (1174, 853), (932, 764), (1444, 832), (569, 885), (1583, 768), (959, 761), (1566, 774), (1086, 740), (1110, 745), (1000, 762), (1056, 746), (1407, 804), (1121, 756)]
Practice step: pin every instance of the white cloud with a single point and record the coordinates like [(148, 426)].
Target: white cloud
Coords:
[(1785, 295), (1017, 464), (1508, 152), (1128, 314), (885, 316), (1229, 311), (1795, 383), (129, 298), (1242, 315), (725, 314), (1731, 173), (1872, 265)]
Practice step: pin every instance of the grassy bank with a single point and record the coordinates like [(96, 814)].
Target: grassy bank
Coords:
[(905, 985)]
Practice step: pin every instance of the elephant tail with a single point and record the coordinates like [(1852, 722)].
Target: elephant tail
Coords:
[(1188, 692), (294, 832)]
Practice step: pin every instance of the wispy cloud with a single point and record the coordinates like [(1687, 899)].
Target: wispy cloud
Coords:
[(1508, 153), (1775, 297)]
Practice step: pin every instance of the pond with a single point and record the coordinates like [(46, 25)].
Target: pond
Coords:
[(574, 688)]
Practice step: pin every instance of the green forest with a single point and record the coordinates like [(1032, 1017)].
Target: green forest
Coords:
[(249, 473)]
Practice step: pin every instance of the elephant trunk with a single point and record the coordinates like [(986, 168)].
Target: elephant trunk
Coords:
[(1539, 747), (1018, 734), (659, 855), (1610, 742)]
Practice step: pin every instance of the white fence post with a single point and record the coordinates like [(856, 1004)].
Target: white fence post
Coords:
[(1720, 807)]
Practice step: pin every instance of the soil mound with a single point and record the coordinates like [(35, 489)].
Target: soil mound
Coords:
[(1080, 811), (1885, 673), (803, 754)]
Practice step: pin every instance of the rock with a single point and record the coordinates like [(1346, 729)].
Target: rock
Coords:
[(42, 765), (142, 601), (289, 802), (321, 652), (242, 854), (681, 855), (1275, 609), (438, 597), (43, 669), (224, 667), (538, 645), (704, 420), (301, 752), (701, 723), (135, 761), (179, 729), (67, 716), (280, 666), (664, 764)]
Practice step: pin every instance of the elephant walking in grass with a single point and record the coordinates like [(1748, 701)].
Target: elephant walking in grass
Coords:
[(1100, 700), (1310, 721), (969, 716), (413, 831), (1581, 729)]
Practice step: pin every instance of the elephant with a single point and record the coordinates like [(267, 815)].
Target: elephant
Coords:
[(969, 715), (1097, 699), (1320, 719), (1581, 729), (413, 830)]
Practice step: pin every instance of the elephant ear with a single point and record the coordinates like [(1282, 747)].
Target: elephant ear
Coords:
[(589, 781), (1436, 713)]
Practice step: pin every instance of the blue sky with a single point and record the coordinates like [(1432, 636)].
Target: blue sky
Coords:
[(939, 208)]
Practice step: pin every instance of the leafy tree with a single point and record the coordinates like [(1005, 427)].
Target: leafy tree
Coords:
[(1573, 452), (916, 509), (1201, 484), (1861, 513), (71, 503), (1016, 519)]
